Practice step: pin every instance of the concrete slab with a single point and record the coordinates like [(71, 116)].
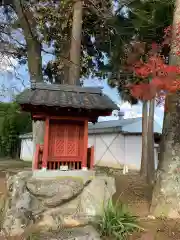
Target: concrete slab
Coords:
[(54, 174)]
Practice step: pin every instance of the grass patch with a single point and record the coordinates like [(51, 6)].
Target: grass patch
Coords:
[(33, 236), (117, 222)]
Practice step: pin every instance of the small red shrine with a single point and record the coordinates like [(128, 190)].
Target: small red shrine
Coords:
[(66, 111)]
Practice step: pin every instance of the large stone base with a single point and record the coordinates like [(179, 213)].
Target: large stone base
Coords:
[(55, 203)]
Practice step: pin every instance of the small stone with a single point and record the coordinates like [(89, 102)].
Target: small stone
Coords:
[(151, 217), (70, 222)]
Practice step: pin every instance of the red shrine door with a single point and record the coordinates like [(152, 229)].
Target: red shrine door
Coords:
[(65, 141)]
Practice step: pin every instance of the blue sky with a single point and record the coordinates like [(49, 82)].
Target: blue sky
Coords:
[(130, 111), (17, 78)]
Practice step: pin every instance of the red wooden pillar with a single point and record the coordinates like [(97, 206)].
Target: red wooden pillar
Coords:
[(84, 160), (36, 157), (46, 144)]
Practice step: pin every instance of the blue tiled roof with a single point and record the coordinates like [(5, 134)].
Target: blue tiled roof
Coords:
[(130, 125), (114, 123)]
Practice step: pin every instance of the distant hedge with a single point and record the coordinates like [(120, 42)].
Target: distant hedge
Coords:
[(12, 123)]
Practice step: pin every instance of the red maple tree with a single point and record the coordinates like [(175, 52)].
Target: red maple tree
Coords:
[(157, 78)]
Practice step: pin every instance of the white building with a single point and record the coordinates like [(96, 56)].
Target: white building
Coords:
[(116, 142)]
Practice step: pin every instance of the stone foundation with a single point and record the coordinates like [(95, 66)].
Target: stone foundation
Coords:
[(58, 201)]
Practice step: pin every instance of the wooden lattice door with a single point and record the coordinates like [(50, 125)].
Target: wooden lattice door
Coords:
[(65, 141)]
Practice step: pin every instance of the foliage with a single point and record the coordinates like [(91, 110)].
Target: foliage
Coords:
[(148, 21), (157, 78), (102, 31), (50, 23), (98, 32), (106, 35), (12, 123), (117, 222)]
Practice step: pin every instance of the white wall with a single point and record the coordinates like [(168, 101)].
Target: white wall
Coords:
[(156, 156), (133, 150), (111, 150), (115, 150), (26, 150)]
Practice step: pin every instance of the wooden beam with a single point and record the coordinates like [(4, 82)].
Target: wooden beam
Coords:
[(43, 116), (46, 144)]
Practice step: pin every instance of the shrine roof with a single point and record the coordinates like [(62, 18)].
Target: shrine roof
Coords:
[(53, 95)]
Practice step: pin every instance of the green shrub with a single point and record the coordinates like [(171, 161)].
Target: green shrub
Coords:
[(117, 222), (33, 237), (13, 122)]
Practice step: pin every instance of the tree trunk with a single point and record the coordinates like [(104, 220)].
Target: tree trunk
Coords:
[(28, 25), (166, 197), (150, 139), (75, 51), (166, 194), (38, 133), (144, 155)]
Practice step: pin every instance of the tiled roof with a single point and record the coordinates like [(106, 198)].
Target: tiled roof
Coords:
[(53, 95)]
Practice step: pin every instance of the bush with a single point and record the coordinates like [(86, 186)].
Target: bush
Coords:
[(12, 123), (117, 222)]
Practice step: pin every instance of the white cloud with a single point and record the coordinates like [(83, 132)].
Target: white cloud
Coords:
[(109, 118), (130, 111), (136, 111)]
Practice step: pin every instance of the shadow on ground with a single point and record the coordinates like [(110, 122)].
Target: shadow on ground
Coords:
[(132, 190)]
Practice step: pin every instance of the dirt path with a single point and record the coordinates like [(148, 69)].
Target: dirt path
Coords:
[(132, 190)]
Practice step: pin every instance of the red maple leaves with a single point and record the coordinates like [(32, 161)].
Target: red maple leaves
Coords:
[(156, 77)]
